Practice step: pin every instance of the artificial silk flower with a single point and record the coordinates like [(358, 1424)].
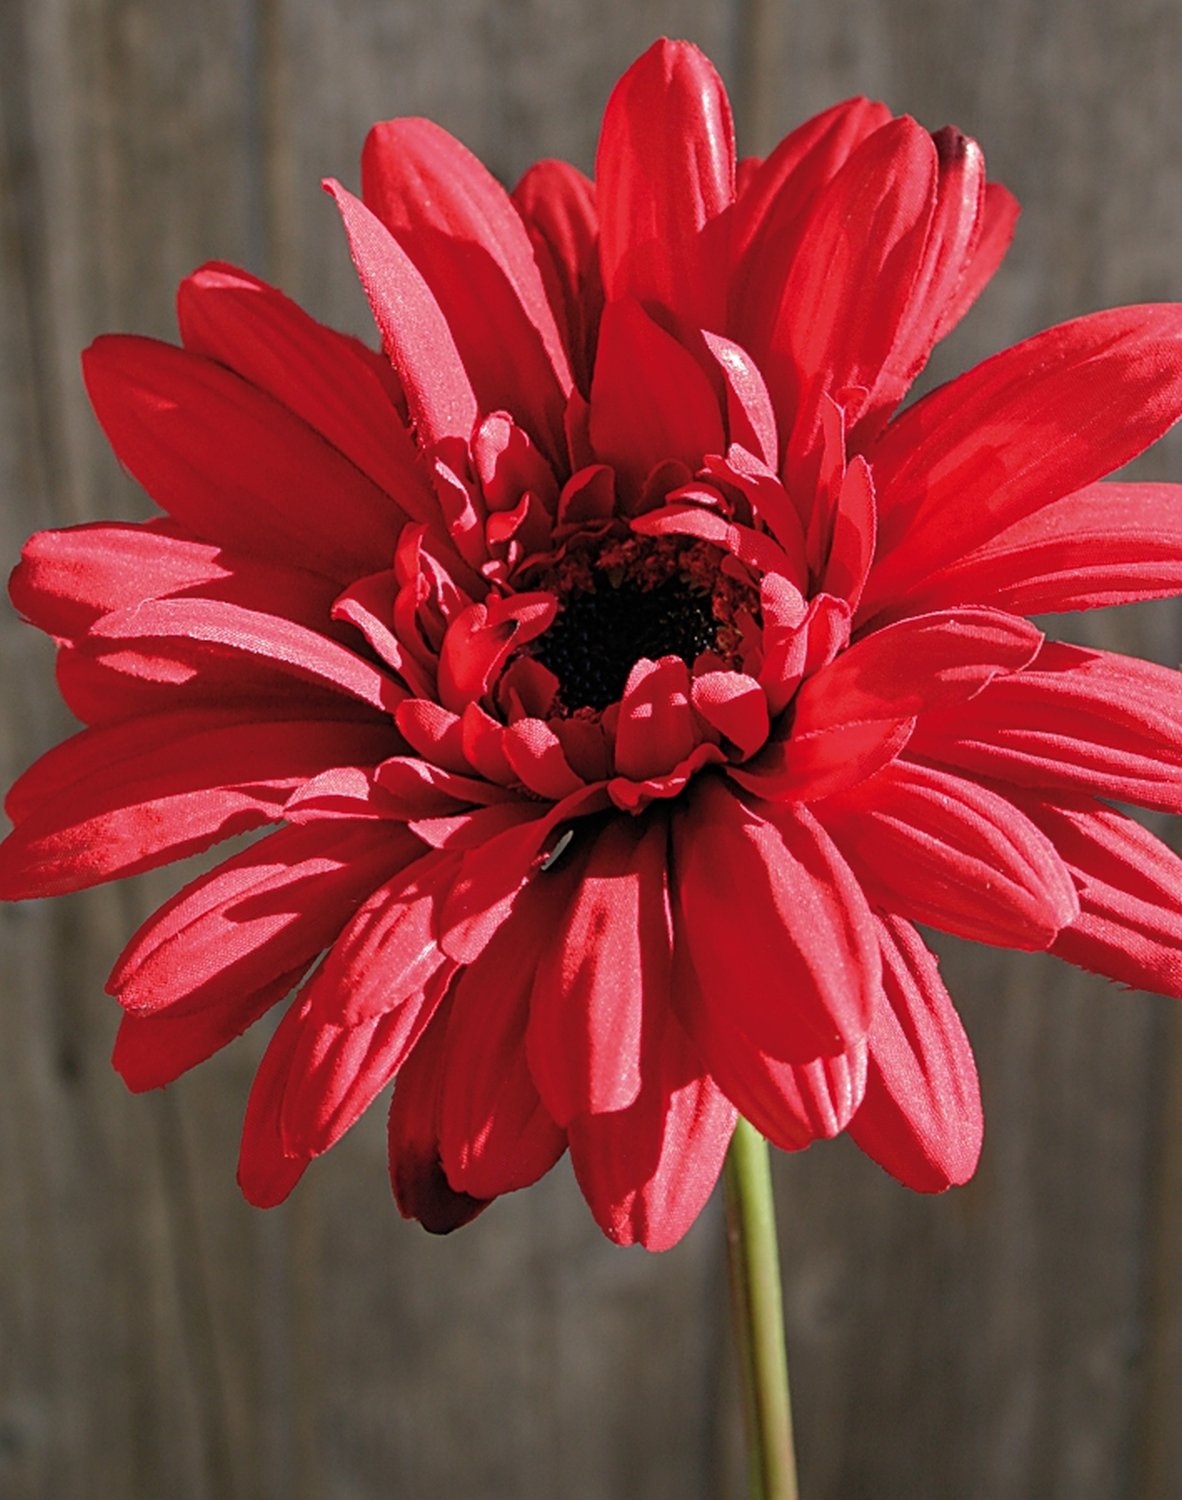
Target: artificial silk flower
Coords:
[(624, 674)]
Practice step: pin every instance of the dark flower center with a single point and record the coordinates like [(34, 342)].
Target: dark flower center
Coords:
[(601, 633)]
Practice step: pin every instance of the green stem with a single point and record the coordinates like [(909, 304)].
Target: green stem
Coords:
[(754, 1263)]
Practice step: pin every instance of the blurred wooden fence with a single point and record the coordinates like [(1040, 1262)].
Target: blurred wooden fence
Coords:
[(1019, 1338)]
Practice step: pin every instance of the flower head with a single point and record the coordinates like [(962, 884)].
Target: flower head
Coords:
[(625, 676)]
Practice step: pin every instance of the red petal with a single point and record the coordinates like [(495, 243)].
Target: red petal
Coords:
[(267, 911), (1106, 544), (1079, 720), (1130, 894), (923, 663), (67, 579), (921, 1117), (387, 953), (420, 1189), (939, 849), (849, 288), (224, 651), (650, 399), (330, 381), (461, 230), (647, 1171), (956, 220), (656, 729), (798, 973), (129, 797), (735, 705), (231, 464), (598, 961), (336, 1072), (784, 188), (664, 170), (154, 1050), (266, 1172), (414, 330), (557, 204), (495, 1135), (999, 216), (1017, 432)]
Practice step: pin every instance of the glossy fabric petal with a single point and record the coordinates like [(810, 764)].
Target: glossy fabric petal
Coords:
[(231, 464), (799, 975), (665, 171), (921, 1116), (947, 851), (334, 383), (1020, 430), (1130, 893), (459, 227), (647, 1171), (1074, 720)]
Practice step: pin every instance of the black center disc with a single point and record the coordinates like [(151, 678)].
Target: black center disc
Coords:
[(600, 635)]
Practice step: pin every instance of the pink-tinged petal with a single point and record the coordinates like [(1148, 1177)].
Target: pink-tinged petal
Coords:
[(266, 1172), (647, 1171), (955, 224), (750, 416), (495, 1134), (129, 797), (227, 651), (336, 1072), (384, 960), (650, 399), (849, 288), (267, 911), (1106, 544), (810, 767), (664, 170), (1020, 430), (599, 959), (735, 705), (415, 332), (67, 579), (459, 227), (855, 530), (998, 219), (921, 1117), (329, 380), (1130, 893), (416, 1174), (557, 204), (940, 849), (799, 973), (1075, 720), (232, 465), (656, 728), (153, 1050)]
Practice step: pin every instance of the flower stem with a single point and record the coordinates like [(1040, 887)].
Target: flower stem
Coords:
[(754, 1264)]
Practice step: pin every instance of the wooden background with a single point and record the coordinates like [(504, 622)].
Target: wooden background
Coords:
[(1019, 1338)]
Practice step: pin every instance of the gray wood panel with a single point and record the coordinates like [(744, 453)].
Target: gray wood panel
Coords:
[(1021, 1337)]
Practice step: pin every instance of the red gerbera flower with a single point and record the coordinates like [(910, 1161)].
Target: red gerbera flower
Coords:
[(625, 678)]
